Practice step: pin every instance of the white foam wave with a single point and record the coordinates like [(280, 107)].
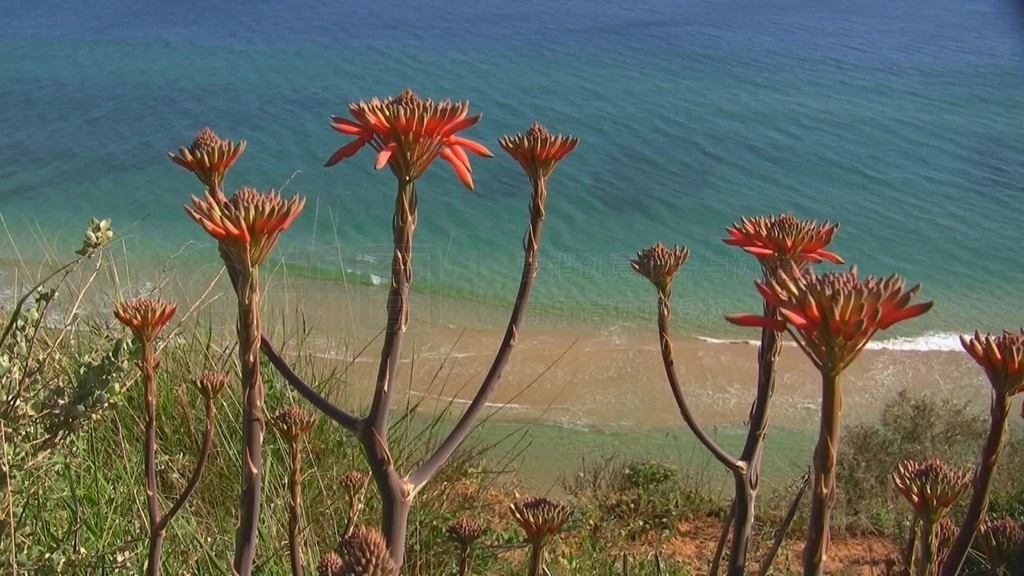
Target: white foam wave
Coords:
[(710, 340), (930, 342), (441, 398)]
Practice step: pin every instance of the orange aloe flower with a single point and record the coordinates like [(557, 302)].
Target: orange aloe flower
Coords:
[(660, 264), (145, 317), (247, 224), (408, 133), (777, 240), (209, 157), (538, 150), (835, 314), (1001, 356)]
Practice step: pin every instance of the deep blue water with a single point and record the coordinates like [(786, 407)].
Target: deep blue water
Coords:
[(903, 121)]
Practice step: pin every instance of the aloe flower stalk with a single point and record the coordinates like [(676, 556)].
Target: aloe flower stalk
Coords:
[(931, 487), (538, 151), (659, 265), (464, 532), (246, 228), (354, 484), (540, 519), (1002, 358), (408, 133), (145, 318), (292, 423), (831, 317), (777, 242), (209, 157), (209, 384)]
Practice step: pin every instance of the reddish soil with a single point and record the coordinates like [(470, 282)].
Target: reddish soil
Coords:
[(693, 541), (849, 555)]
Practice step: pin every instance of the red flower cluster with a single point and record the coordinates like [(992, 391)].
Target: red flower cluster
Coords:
[(779, 240), (1001, 356), (248, 224), (408, 133), (836, 313)]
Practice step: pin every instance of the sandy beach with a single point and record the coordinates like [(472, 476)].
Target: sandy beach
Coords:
[(583, 389), (587, 375)]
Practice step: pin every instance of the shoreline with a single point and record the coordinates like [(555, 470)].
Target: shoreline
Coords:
[(583, 374)]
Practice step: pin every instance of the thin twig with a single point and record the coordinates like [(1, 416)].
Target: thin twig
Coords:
[(197, 471), (7, 495), (783, 529)]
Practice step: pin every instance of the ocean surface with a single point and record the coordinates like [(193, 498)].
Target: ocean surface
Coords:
[(903, 121)]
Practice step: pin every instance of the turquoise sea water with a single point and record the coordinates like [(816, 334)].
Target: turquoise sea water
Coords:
[(904, 121)]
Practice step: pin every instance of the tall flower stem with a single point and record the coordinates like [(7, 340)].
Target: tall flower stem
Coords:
[(747, 478), (197, 470), (910, 547), (294, 506), (373, 431), (291, 423), (823, 483), (980, 486), (926, 550), (723, 535), (248, 331), (145, 317), (664, 314), (780, 533), (531, 248), (156, 531), (536, 560)]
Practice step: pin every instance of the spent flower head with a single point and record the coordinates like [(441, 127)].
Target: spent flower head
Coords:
[(248, 224), (330, 564), (539, 518), (660, 264), (779, 240), (835, 314), (208, 157), (538, 151), (145, 317), (1001, 541), (408, 133), (464, 531), (1002, 358), (354, 481), (365, 553), (931, 486), (293, 422), (210, 383), (97, 235), (945, 534)]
